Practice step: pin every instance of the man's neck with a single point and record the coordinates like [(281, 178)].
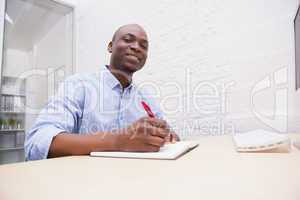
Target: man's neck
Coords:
[(124, 78)]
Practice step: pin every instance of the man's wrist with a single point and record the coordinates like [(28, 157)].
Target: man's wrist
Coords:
[(118, 138), (106, 141)]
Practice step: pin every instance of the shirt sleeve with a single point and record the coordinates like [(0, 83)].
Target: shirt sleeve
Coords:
[(62, 114)]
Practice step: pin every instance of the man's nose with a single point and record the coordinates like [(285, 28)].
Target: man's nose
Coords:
[(135, 46)]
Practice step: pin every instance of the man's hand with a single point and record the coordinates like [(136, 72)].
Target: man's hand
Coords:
[(145, 135), (172, 138)]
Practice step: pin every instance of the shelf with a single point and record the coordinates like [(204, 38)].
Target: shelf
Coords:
[(12, 115), (12, 112), (15, 95), (11, 130), (11, 149)]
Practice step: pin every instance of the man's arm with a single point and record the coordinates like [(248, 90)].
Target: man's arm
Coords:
[(145, 135), (61, 114), (65, 144)]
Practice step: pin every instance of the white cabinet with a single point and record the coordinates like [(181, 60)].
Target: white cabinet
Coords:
[(12, 119), (37, 38)]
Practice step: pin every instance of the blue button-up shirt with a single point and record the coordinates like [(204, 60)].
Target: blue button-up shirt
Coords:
[(85, 104)]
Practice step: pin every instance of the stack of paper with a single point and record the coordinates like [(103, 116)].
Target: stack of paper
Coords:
[(259, 140), (167, 152)]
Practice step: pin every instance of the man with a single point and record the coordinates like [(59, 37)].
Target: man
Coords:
[(102, 111)]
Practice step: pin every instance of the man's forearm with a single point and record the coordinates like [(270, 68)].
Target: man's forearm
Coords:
[(66, 144), (144, 135)]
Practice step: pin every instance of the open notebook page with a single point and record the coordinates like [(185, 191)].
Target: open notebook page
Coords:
[(167, 152)]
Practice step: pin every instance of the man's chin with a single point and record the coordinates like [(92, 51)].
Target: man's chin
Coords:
[(131, 68)]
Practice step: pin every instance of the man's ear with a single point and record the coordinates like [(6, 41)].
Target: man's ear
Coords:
[(109, 47)]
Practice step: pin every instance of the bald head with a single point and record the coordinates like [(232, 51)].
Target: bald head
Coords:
[(128, 26)]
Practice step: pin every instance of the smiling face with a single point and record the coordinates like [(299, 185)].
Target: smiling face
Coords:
[(129, 49)]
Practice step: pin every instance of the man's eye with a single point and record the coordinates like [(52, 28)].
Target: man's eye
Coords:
[(127, 39), (144, 45)]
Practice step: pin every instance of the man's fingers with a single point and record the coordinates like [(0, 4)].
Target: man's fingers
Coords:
[(159, 123), (152, 148), (174, 137), (159, 132), (155, 141)]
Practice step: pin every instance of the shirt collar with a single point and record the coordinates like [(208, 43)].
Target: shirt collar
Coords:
[(111, 80)]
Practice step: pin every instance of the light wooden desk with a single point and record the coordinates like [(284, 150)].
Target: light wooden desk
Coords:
[(211, 171)]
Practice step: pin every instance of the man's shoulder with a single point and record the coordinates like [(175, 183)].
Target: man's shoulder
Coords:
[(81, 77)]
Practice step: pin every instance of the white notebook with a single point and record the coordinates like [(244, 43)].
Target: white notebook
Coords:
[(167, 152), (258, 140)]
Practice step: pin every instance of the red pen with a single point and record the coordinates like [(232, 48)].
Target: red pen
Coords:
[(148, 109), (150, 114)]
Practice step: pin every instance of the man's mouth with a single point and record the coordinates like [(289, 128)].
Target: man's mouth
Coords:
[(133, 57)]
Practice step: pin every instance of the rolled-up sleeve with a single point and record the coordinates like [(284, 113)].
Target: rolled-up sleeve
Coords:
[(62, 114)]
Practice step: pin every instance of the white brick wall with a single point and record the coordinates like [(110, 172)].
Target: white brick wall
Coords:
[(210, 42)]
